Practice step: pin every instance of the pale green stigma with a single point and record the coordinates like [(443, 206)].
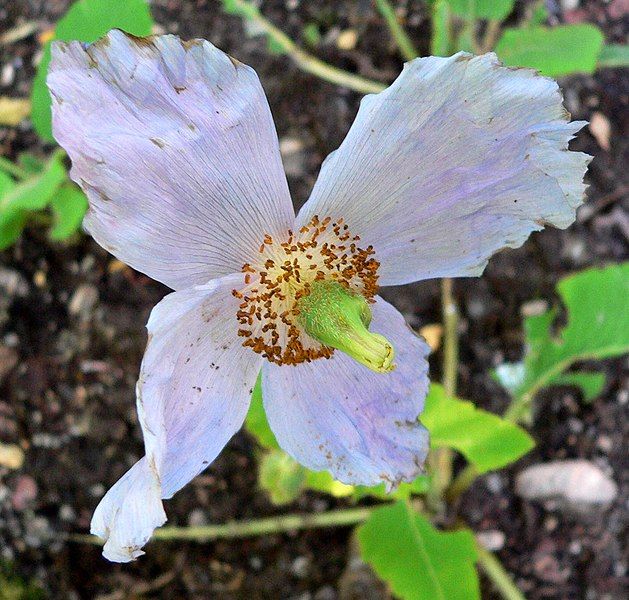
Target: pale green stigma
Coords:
[(339, 318)]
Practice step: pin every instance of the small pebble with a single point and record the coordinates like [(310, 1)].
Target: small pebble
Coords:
[(575, 547), (347, 40), (39, 279), (8, 360), (494, 483), (67, 513), (12, 283), (492, 539), (551, 523), (83, 301), (197, 518), (293, 154), (534, 308), (24, 492), (604, 443), (11, 456), (327, 592), (601, 129), (570, 4), (300, 567), (7, 75)]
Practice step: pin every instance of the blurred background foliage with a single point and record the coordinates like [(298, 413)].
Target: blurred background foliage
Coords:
[(397, 537)]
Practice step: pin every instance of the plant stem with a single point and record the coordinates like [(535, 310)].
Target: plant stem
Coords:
[(13, 169), (498, 575), (306, 61), (491, 35), (518, 408), (450, 314), (250, 528), (521, 402), (461, 483), (407, 49), (441, 458)]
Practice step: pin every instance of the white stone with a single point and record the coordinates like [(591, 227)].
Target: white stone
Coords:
[(492, 539), (577, 484)]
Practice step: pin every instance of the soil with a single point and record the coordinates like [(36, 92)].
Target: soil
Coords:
[(72, 336)]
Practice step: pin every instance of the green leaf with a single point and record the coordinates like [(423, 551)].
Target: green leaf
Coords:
[(539, 15), (32, 194), (418, 486), (35, 192), (280, 477), (482, 9), (552, 51), (590, 384), (30, 163), (256, 423), (6, 184), (597, 306), (322, 481), (311, 35), (416, 560), (86, 21), (614, 55), (11, 227), (241, 8), (68, 205), (486, 440)]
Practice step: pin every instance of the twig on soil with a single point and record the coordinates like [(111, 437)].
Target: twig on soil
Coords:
[(19, 32), (306, 61), (250, 528), (404, 43)]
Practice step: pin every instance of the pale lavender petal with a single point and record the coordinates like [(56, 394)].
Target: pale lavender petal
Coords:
[(175, 145), (129, 513), (193, 394), (339, 416), (459, 158)]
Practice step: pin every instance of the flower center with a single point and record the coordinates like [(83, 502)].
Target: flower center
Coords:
[(322, 252)]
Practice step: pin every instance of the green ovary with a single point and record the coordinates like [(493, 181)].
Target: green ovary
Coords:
[(339, 318)]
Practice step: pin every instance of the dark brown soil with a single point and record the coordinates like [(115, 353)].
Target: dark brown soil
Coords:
[(68, 399)]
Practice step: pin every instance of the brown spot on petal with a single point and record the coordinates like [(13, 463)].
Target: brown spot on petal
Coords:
[(159, 143), (187, 44), (234, 61), (146, 41)]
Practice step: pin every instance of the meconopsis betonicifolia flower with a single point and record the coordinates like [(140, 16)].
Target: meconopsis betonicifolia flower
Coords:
[(174, 145)]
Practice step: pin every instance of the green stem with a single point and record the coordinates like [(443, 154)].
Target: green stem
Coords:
[(498, 575), (13, 169), (461, 483), (521, 402), (407, 49), (450, 314), (306, 61), (518, 407), (250, 528), (440, 460)]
